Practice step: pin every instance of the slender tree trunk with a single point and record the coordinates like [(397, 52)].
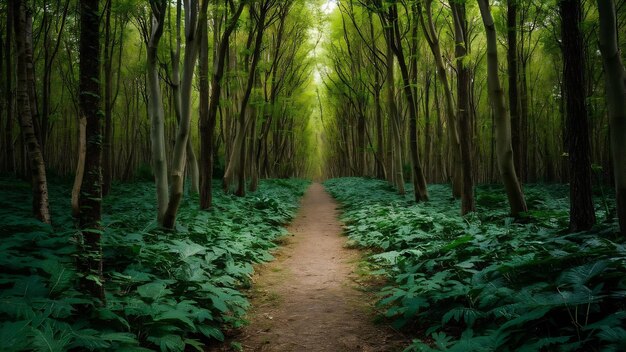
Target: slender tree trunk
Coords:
[(237, 166), (208, 121), (453, 135), (36, 163), (514, 103), (107, 161), (194, 15), (394, 35), (502, 120), (192, 162), (91, 190), (10, 116), (80, 167), (394, 122), (381, 172), (582, 213), (463, 88), (155, 110), (206, 166), (615, 77)]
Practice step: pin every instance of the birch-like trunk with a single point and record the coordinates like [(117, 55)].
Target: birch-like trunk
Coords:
[(90, 201), (35, 159)]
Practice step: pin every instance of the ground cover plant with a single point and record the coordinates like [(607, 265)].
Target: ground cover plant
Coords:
[(485, 282), (171, 290)]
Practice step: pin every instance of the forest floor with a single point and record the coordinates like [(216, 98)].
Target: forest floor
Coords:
[(310, 298)]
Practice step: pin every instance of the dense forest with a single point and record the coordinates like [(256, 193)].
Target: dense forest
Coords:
[(153, 154)]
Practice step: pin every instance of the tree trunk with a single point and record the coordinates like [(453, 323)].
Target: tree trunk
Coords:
[(432, 38), (582, 213), (615, 77), (514, 103), (208, 121), (394, 36), (36, 163), (91, 189), (192, 162), (381, 173), (394, 122), (107, 162), (192, 34), (9, 148), (206, 166), (502, 120), (463, 87), (80, 167), (238, 167), (155, 110)]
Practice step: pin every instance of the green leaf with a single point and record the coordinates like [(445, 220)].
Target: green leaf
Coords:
[(49, 340), (173, 343), (176, 315), (187, 248), (524, 318), (153, 290), (211, 332), (123, 337), (88, 339), (14, 335), (580, 275)]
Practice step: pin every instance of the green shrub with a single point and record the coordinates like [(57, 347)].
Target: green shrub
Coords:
[(485, 282), (167, 291)]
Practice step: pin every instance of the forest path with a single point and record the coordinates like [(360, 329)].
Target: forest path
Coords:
[(307, 300)]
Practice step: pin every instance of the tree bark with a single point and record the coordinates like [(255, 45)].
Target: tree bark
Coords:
[(463, 89), (394, 36), (155, 108), (107, 162), (91, 190), (80, 167), (504, 150), (432, 38), (394, 122), (582, 213), (9, 148), (615, 77), (192, 161), (208, 121), (195, 14), (236, 164), (514, 102), (36, 164)]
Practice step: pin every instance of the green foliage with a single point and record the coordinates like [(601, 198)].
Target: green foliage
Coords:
[(485, 282), (165, 291)]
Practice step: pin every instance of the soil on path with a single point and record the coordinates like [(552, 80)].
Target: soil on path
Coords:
[(308, 299)]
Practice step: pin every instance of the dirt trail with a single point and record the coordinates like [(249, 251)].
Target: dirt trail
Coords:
[(307, 299)]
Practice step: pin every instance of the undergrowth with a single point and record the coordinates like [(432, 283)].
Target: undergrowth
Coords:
[(168, 291), (485, 282)]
